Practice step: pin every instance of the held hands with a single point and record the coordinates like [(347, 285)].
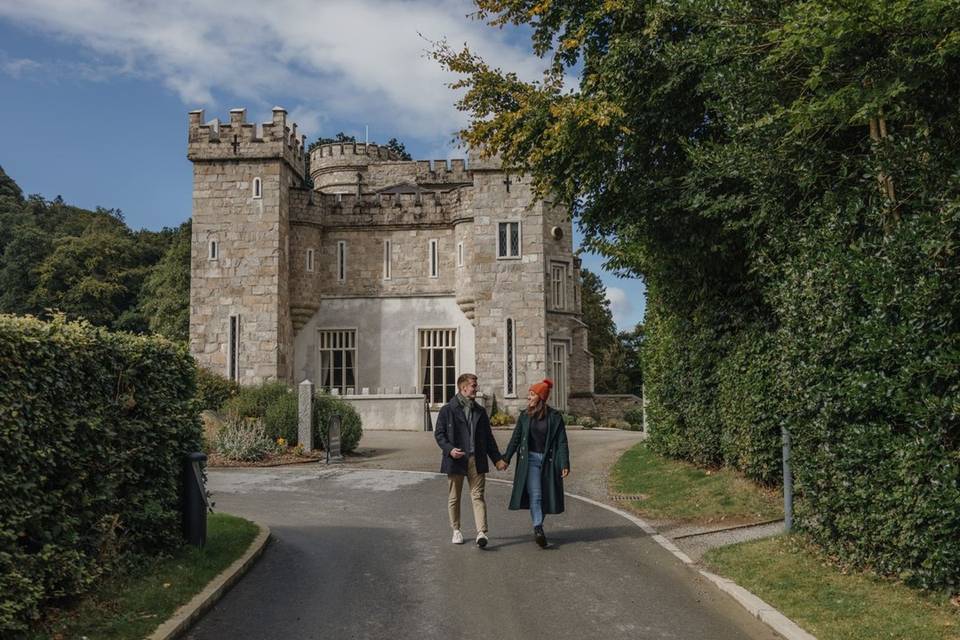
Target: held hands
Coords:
[(457, 453), (564, 472), (502, 465)]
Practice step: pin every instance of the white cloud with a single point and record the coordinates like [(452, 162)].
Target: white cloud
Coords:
[(620, 305), (363, 58)]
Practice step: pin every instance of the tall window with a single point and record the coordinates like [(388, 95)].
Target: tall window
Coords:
[(558, 352), (341, 260), (459, 254), (510, 360), (434, 258), (387, 259), (508, 240), (257, 188), (213, 250), (338, 357), (309, 259), (558, 285), (438, 364), (233, 349)]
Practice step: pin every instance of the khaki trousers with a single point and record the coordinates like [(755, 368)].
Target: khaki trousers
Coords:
[(477, 481)]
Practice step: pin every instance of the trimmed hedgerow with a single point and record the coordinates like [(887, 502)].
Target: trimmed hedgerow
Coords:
[(94, 427)]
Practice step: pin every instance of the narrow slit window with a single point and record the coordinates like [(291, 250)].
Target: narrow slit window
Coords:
[(434, 258), (387, 259), (233, 350), (257, 188), (310, 258), (459, 254), (341, 260), (508, 240), (213, 251), (510, 361)]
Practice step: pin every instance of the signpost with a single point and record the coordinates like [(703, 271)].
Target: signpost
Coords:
[(333, 440)]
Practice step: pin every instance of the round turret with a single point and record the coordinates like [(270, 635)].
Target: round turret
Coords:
[(334, 166)]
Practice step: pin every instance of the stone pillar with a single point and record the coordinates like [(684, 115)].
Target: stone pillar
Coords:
[(305, 425)]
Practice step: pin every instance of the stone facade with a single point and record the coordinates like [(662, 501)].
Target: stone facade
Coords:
[(383, 249)]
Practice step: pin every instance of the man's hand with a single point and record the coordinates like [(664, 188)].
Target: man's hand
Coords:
[(456, 453), (564, 473), (502, 465)]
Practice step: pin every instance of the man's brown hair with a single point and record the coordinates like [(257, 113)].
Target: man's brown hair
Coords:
[(464, 377)]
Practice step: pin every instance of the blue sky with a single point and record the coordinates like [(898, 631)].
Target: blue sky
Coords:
[(94, 94)]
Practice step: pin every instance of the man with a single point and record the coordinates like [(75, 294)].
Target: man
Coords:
[(463, 433)]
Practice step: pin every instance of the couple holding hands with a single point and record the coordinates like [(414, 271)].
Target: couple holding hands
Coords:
[(539, 439)]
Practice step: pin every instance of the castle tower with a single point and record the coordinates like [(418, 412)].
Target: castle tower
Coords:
[(240, 322)]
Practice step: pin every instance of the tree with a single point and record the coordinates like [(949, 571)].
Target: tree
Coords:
[(399, 148), (165, 297), (602, 332)]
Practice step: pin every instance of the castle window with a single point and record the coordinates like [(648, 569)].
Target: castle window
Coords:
[(508, 240), (438, 364), (341, 260), (257, 188), (434, 259), (558, 285), (387, 259), (233, 350), (338, 357), (309, 259), (510, 361), (459, 254), (213, 250)]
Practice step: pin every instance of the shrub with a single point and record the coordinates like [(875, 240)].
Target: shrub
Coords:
[(324, 407), (244, 439), (502, 419), (569, 418), (634, 417), (213, 389), (587, 422), (253, 402), (613, 423), (94, 427), (281, 418)]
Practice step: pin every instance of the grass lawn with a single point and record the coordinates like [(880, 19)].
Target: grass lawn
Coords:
[(132, 606), (794, 577), (677, 490)]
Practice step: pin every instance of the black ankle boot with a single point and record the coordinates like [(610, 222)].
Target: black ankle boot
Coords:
[(540, 536)]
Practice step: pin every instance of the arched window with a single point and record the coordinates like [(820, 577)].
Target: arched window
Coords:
[(257, 188), (213, 250)]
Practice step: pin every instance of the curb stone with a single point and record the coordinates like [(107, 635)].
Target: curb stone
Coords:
[(759, 609), (184, 617)]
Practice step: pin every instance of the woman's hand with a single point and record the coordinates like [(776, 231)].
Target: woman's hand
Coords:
[(564, 472)]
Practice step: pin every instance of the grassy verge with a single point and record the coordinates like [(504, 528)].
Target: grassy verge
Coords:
[(679, 491), (133, 605), (829, 603)]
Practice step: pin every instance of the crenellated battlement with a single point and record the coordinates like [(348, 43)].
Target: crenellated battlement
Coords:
[(441, 171), (237, 138), (339, 149), (372, 209)]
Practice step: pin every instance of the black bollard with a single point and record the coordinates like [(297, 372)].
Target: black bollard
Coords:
[(194, 500)]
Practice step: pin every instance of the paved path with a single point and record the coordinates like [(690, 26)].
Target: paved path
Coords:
[(365, 553)]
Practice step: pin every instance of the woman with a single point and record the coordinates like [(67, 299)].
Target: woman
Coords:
[(543, 459)]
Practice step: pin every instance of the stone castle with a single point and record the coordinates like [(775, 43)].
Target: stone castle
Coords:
[(385, 274)]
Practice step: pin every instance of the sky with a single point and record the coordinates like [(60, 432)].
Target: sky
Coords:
[(94, 94)]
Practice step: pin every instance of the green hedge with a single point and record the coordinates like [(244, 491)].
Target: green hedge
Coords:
[(351, 430), (214, 389), (273, 402), (94, 427)]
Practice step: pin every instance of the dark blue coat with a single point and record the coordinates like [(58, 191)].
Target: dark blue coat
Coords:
[(453, 432)]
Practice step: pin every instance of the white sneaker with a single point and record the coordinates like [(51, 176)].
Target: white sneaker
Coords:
[(481, 540), (457, 537)]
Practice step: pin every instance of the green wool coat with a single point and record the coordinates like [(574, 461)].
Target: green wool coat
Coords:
[(556, 458)]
